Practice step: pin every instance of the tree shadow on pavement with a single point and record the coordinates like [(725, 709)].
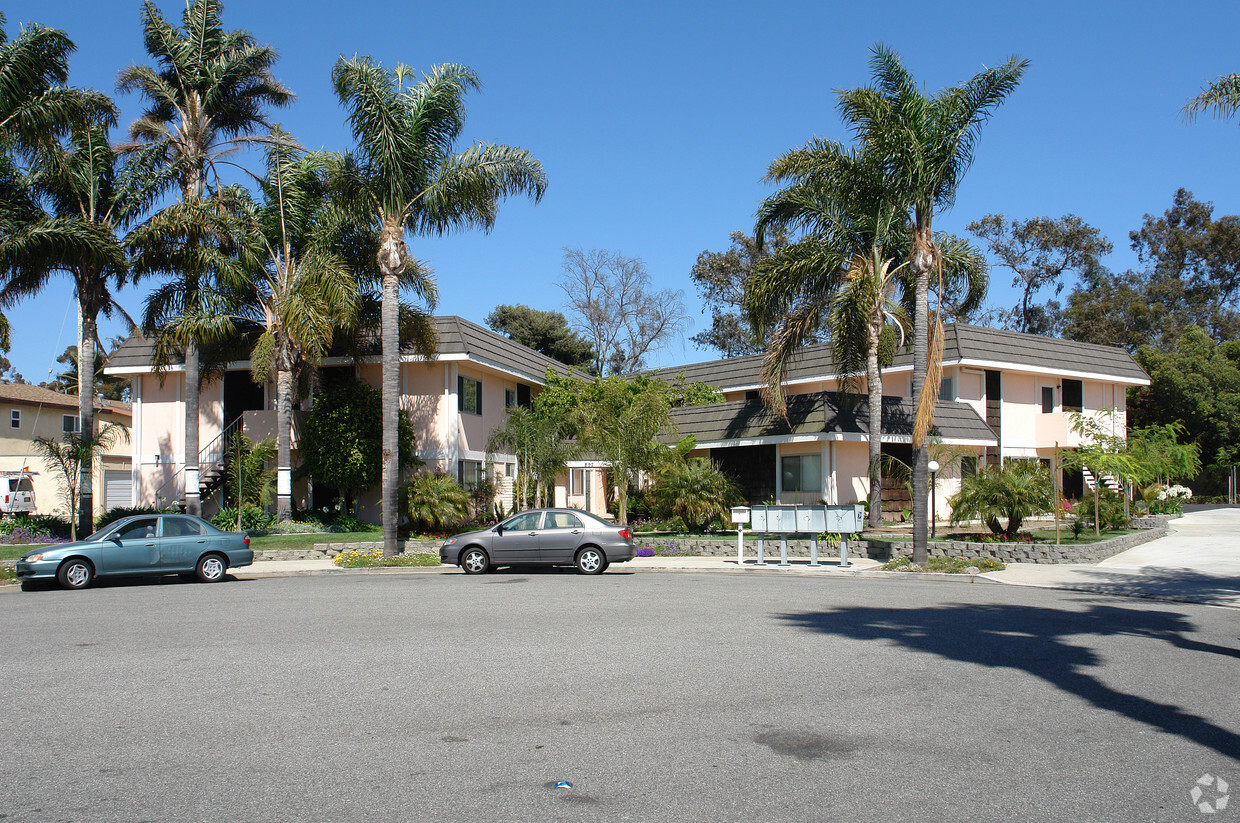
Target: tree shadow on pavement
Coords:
[(1157, 583), (1039, 641)]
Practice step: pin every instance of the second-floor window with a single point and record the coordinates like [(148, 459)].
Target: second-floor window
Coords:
[(15, 418), (510, 398), (1048, 399), (469, 394), (70, 423), (1073, 395)]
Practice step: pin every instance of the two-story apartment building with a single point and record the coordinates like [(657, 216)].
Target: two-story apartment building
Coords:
[(28, 412), (1004, 395), (455, 400)]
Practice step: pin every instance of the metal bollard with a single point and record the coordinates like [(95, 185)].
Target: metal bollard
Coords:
[(761, 548), (740, 544), (813, 551), (843, 552), (783, 550)]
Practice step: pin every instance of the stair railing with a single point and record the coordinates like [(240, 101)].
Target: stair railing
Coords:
[(214, 452)]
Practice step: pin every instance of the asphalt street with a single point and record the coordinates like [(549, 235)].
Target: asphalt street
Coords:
[(659, 697)]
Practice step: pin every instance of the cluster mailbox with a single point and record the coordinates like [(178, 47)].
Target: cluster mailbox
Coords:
[(805, 519)]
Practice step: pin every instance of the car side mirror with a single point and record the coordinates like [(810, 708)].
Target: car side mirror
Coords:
[(499, 530)]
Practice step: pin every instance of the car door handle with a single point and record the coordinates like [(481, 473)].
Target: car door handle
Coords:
[(576, 531), (203, 540), (533, 534)]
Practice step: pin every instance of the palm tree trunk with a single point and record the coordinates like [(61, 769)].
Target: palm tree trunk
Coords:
[(86, 421), (393, 255), (874, 387), (192, 504), (284, 459), (921, 262)]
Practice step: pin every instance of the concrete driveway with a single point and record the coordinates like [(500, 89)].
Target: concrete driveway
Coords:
[(1199, 561)]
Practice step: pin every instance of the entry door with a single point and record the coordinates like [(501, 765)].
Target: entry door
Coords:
[(519, 541), (135, 550), (560, 536)]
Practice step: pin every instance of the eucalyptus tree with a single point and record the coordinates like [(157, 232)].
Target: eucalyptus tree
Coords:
[(305, 288), (205, 97), (88, 197), (926, 144), (406, 177), (847, 274)]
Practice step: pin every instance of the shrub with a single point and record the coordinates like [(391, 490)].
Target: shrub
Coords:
[(252, 519), (434, 501), (354, 559), (1110, 511), (8, 575), (957, 565), (46, 525), (695, 490), (118, 512), (897, 563), (1017, 490)]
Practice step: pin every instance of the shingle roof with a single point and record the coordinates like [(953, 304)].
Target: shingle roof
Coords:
[(825, 413), (960, 342), (456, 336), (26, 394)]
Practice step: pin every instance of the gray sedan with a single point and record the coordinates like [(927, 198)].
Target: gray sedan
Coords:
[(152, 544), (548, 537)]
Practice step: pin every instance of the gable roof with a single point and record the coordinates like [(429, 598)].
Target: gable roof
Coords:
[(25, 394), (459, 339), (963, 344), (825, 416)]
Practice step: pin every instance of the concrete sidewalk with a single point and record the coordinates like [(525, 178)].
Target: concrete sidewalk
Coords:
[(1199, 562)]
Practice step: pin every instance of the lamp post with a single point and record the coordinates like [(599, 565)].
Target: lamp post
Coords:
[(933, 467)]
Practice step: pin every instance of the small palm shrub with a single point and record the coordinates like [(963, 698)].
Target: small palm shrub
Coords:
[(1110, 511), (695, 490), (252, 519), (434, 501), (1015, 491)]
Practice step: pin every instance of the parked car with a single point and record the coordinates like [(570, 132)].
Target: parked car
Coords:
[(17, 492), (144, 544), (547, 537)]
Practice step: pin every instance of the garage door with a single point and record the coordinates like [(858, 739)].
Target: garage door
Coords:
[(117, 489)]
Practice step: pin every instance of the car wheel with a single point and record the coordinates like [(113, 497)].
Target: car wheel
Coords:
[(475, 561), (210, 568), (591, 561), (76, 573)]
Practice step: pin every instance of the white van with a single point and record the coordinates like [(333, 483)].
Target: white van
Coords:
[(16, 492)]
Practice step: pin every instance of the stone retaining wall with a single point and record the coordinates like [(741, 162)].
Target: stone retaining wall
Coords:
[(330, 550), (889, 549)]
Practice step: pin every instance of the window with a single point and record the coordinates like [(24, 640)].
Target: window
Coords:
[(469, 473), (802, 473), (562, 520), (947, 388), (752, 394), (70, 423), (510, 398), (181, 527), (527, 522), (576, 481), (968, 466), (1048, 399), (468, 395), (15, 418), (1073, 395), (138, 530)]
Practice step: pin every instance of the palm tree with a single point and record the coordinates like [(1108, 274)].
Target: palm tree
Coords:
[(543, 444), (406, 177), (206, 98), (88, 197), (845, 274), (306, 288), (926, 145), (1222, 97), (36, 112), (65, 459)]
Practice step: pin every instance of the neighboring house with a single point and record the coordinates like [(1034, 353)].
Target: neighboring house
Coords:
[(1004, 395), (455, 399), (27, 412)]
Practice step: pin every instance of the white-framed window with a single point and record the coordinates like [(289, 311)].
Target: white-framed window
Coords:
[(469, 394), (70, 423), (1048, 399), (801, 473), (15, 418), (510, 398), (469, 474), (577, 481)]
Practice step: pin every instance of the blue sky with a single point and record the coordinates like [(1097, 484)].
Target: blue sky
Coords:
[(655, 121)]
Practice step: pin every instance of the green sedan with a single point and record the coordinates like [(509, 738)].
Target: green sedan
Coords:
[(141, 545)]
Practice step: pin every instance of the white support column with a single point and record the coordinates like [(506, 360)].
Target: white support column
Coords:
[(135, 442)]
